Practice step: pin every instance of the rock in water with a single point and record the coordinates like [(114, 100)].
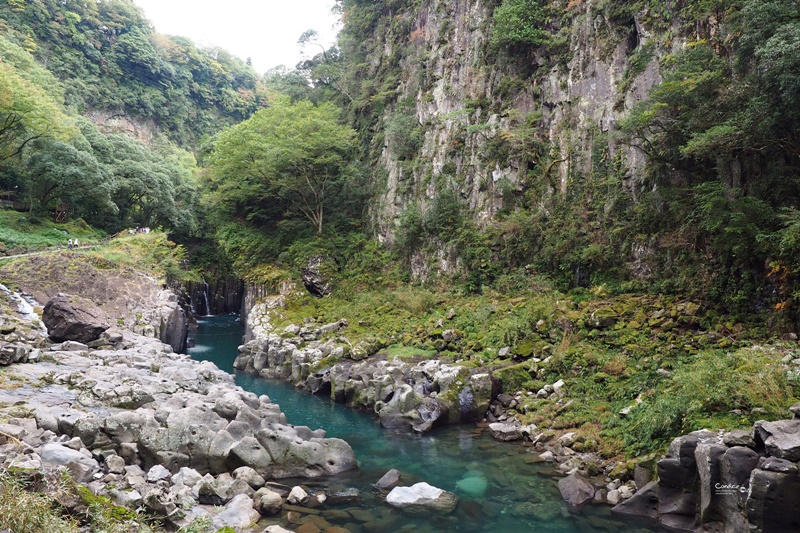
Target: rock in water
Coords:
[(389, 479), (576, 491), (72, 318), (505, 432), (422, 498), (473, 485)]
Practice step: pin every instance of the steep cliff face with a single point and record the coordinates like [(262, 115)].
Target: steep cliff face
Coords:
[(487, 123)]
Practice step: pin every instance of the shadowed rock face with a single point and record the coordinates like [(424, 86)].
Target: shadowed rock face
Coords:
[(314, 278), (733, 482), (72, 318)]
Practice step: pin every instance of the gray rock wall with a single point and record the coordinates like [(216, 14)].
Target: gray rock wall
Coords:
[(733, 483), (402, 394)]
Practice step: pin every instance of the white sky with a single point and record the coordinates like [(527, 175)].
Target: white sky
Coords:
[(264, 30)]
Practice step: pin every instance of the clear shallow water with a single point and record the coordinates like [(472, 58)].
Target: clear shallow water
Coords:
[(500, 490)]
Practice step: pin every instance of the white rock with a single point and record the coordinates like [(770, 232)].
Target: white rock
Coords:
[(157, 473), (626, 492), (422, 498), (115, 464), (186, 476), (277, 529), (567, 439), (60, 455), (238, 513), (297, 496)]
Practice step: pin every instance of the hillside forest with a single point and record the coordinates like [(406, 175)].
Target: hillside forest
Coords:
[(449, 156)]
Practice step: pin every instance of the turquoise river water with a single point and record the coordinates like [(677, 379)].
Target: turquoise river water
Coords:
[(500, 489)]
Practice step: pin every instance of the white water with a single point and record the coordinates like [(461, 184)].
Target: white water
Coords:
[(25, 307), (205, 295)]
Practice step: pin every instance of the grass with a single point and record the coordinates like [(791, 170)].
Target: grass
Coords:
[(9, 381), (23, 510), (407, 353), (152, 252), (21, 233)]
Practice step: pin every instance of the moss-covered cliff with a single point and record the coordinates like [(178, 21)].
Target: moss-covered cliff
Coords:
[(597, 140)]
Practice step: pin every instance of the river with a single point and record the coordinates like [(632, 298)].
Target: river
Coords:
[(500, 489)]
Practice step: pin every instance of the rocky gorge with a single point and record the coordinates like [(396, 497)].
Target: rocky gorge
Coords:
[(147, 427), (708, 481), (138, 423)]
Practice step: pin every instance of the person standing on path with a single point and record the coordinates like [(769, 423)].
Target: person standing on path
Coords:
[(69, 244), (75, 243)]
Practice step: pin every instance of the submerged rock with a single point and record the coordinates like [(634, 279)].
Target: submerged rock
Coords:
[(473, 485), (388, 480), (505, 432)]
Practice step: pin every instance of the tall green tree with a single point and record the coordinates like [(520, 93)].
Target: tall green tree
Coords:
[(27, 113), (289, 160), (58, 171)]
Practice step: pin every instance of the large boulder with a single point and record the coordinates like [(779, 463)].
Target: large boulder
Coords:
[(422, 498), (505, 432), (678, 477), (57, 454), (576, 491), (315, 275), (294, 456), (644, 503), (780, 438), (72, 318), (12, 353), (737, 464), (174, 326), (708, 456)]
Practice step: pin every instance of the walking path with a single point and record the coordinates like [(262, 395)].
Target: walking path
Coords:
[(50, 251)]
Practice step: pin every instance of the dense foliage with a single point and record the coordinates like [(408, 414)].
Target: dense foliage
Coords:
[(288, 166), (50, 157), (110, 59)]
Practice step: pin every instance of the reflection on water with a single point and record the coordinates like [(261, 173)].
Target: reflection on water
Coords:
[(500, 488)]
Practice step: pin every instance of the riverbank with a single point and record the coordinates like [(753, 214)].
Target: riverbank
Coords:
[(141, 426), (501, 486)]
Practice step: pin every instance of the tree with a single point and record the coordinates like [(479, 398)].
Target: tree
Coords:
[(59, 171), (151, 186), (27, 113), (287, 160)]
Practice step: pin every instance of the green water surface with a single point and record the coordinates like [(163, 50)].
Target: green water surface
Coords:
[(500, 488)]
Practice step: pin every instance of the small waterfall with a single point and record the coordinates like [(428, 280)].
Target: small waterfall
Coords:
[(205, 297), (25, 307)]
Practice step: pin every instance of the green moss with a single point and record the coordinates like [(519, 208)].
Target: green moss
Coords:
[(406, 353)]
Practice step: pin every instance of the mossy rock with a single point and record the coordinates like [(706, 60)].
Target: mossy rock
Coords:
[(525, 349), (602, 318), (515, 377)]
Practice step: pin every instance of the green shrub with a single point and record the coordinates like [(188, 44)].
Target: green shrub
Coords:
[(703, 393), (521, 22)]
